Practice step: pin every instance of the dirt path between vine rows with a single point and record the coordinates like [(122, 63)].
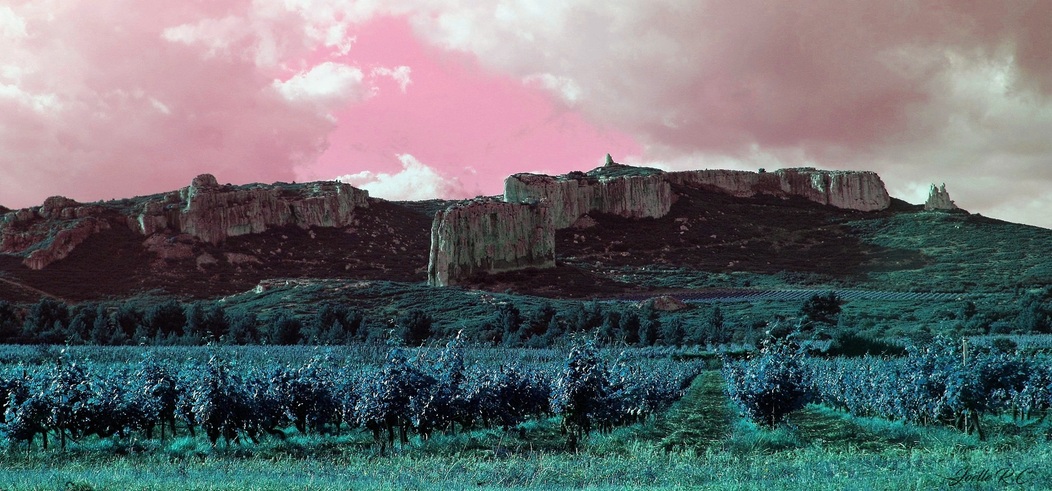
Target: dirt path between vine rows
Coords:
[(702, 418)]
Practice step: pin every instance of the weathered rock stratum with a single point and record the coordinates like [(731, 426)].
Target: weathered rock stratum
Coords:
[(49, 232), (849, 190), (489, 236), (577, 193), (213, 213), (638, 192), (204, 211)]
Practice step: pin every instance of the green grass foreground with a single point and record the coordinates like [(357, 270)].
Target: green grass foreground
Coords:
[(701, 443)]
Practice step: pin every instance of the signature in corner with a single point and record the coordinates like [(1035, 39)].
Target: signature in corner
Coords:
[(1004, 475)]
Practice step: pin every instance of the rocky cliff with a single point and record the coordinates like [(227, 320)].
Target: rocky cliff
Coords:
[(637, 192), (611, 189), (939, 199), (489, 236), (212, 213), (204, 211), (850, 190), (49, 232)]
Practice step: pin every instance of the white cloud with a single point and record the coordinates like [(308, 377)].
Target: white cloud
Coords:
[(399, 74), (328, 83), (416, 181), (40, 103), (565, 87), (218, 35), (12, 26), (961, 94)]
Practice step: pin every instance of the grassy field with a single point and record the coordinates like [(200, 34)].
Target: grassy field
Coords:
[(701, 443)]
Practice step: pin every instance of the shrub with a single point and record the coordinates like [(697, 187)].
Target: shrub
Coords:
[(771, 385), (849, 343)]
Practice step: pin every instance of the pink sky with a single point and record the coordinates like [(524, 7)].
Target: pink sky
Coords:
[(422, 98)]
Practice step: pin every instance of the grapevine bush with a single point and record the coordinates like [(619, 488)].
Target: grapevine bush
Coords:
[(771, 385), (415, 392)]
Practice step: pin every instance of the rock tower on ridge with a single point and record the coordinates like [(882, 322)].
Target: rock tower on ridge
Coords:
[(939, 199)]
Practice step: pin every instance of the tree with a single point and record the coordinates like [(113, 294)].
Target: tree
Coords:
[(101, 332), (46, 321), (509, 320), (648, 332), (126, 321), (319, 323), (194, 332), (673, 333), (216, 322), (555, 331), (539, 320), (822, 309), (244, 328), (585, 317), (1032, 317), (9, 322), (630, 328), (285, 329), (714, 332), (167, 318), (80, 325), (414, 327)]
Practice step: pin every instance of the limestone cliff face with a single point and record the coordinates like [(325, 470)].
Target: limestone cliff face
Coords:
[(575, 194), (212, 213), (489, 236), (49, 232), (648, 194), (939, 199), (850, 190), (204, 211)]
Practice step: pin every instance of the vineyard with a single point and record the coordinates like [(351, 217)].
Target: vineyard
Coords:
[(732, 295), (412, 393), (938, 384)]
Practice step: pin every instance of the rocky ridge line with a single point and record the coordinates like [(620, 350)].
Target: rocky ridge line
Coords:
[(576, 194), (468, 240), (639, 192), (848, 190), (212, 213), (204, 211)]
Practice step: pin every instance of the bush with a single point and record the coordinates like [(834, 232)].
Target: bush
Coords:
[(285, 330), (771, 385), (822, 309), (850, 343), (414, 327)]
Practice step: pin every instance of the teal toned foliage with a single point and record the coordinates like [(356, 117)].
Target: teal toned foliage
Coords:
[(232, 402), (770, 385)]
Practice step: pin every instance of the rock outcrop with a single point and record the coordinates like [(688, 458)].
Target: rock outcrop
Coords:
[(489, 236), (212, 213), (635, 192), (665, 303), (204, 211), (575, 194), (939, 199), (49, 232), (850, 190)]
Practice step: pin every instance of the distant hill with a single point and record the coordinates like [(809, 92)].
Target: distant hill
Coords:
[(708, 239)]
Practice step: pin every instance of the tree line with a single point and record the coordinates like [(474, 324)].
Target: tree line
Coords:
[(196, 323), (173, 323)]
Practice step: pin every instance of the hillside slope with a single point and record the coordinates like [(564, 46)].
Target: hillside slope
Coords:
[(708, 239)]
